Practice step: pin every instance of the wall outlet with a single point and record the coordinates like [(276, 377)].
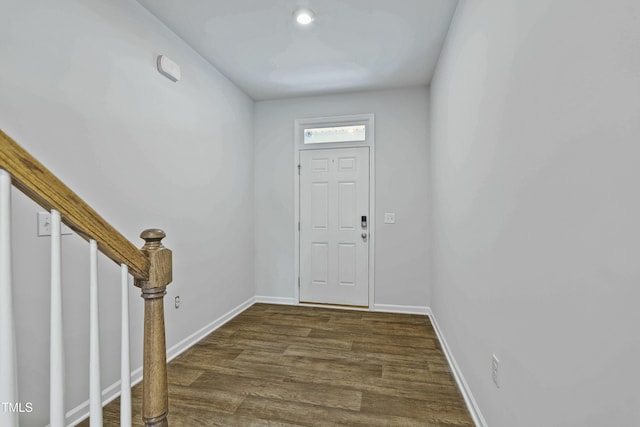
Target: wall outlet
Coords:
[(44, 225), (495, 364), (177, 301), (389, 218)]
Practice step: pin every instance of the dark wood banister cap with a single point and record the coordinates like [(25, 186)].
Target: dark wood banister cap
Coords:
[(153, 235)]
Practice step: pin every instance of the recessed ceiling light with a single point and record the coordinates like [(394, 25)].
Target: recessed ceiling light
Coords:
[(304, 16)]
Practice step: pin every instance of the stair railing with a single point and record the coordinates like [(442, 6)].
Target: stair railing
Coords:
[(151, 267)]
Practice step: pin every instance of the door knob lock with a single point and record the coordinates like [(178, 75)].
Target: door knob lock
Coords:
[(364, 235)]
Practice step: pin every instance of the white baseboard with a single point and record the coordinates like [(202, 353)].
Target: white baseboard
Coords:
[(275, 300), (81, 412), (472, 405), (406, 309)]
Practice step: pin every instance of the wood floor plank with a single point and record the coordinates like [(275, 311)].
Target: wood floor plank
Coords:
[(308, 415), (289, 366), (277, 329), (246, 369), (317, 394), (433, 411), (182, 375), (205, 399), (308, 350), (326, 341)]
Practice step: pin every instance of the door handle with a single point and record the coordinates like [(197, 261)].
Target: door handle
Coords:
[(364, 235)]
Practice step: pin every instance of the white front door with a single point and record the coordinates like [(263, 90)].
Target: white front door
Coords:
[(334, 226)]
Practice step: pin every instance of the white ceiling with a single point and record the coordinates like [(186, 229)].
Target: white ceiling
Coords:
[(352, 45)]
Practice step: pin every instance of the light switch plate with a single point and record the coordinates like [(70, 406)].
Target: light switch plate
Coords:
[(44, 225), (389, 218)]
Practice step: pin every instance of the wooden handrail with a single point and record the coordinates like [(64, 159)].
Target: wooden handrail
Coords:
[(151, 265), (43, 187)]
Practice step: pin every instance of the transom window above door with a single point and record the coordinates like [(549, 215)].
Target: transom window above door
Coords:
[(324, 135), (334, 132)]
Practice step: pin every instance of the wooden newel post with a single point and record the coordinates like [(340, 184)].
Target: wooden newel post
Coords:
[(155, 402)]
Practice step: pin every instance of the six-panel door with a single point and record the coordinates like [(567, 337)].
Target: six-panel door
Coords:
[(334, 243)]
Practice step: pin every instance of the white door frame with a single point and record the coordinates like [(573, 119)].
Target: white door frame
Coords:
[(299, 125)]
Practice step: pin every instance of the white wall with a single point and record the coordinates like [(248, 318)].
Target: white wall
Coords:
[(401, 146), (79, 90), (536, 120)]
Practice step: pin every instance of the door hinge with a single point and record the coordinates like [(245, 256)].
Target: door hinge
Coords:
[(299, 169), (298, 282), (298, 225)]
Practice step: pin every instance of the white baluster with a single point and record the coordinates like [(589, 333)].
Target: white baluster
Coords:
[(56, 386), (95, 390), (125, 364), (8, 366)]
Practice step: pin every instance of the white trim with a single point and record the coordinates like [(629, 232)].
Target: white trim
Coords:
[(113, 391), (275, 300), (406, 309), (472, 405), (369, 121)]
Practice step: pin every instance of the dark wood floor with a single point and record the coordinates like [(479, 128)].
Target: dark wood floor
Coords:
[(305, 366)]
